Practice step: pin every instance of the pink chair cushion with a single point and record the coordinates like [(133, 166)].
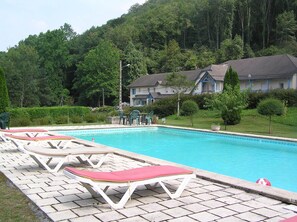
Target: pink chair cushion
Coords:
[(291, 219), (24, 130), (137, 174), (39, 138)]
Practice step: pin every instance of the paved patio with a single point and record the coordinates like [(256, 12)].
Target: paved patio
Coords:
[(61, 199)]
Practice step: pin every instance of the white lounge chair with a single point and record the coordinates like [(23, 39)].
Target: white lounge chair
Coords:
[(30, 132), (44, 156), (98, 182), (55, 141)]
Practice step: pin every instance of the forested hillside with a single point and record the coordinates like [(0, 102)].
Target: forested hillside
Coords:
[(61, 67)]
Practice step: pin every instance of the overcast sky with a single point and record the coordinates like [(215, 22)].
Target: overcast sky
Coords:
[(21, 18)]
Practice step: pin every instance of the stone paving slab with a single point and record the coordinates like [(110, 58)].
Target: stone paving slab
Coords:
[(62, 199)]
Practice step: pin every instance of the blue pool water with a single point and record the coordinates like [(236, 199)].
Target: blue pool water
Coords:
[(247, 158)]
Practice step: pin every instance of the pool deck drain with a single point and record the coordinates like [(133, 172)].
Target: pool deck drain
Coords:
[(62, 199)]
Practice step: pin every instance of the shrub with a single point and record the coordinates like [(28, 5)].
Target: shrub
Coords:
[(62, 120), (230, 103), (164, 107), (254, 98), (24, 121), (289, 96), (270, 107), (19, 113), (38, 113), (189, 108), (91, 118), (43, 121), (76, 119), (101, 117), (201, 100)]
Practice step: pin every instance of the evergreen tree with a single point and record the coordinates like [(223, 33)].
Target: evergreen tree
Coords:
[(4, 99), (231, 79)]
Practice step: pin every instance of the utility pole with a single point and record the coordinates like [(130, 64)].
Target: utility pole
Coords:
[(120, 91)]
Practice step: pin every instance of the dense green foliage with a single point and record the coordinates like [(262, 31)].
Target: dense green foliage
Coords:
[(230, 103), (231, 80), (179, 84), (167, 106), (99, 70), (47, 115), (270, 107), (189, 108), (4, 99), (63, 67), (288, 96)]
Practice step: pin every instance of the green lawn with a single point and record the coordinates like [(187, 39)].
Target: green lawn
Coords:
[(14, 204), (251, 122)]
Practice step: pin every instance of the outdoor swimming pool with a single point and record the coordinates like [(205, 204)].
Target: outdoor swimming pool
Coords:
[(246, 158)]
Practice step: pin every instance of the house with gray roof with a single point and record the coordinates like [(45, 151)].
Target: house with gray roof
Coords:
[(149, 88), (257, 74)]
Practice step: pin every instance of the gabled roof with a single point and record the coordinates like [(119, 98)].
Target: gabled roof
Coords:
[(217, 72), (266, 67), (155, 79)]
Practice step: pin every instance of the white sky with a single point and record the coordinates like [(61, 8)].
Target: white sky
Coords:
[(21, 18)]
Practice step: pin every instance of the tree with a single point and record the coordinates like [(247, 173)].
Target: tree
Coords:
[(4, 99), (136, 68), (230, 103), (189, 60), (53, 51), (23, 78), (231, 49), (286, 27), (205, 57), (270, 107), (172, 55), (100, 69), (189, 108), (180, 84), (231, 79)]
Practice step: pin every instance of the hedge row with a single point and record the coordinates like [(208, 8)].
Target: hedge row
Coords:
[(288, 96), (40, 112), (167, 106), (48, 115)]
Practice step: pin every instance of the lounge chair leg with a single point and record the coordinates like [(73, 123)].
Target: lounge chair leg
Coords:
[(49, 160), (91, 190), (94, 189), (99, 163), (179, 190), (60, 145), (45, 166)]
